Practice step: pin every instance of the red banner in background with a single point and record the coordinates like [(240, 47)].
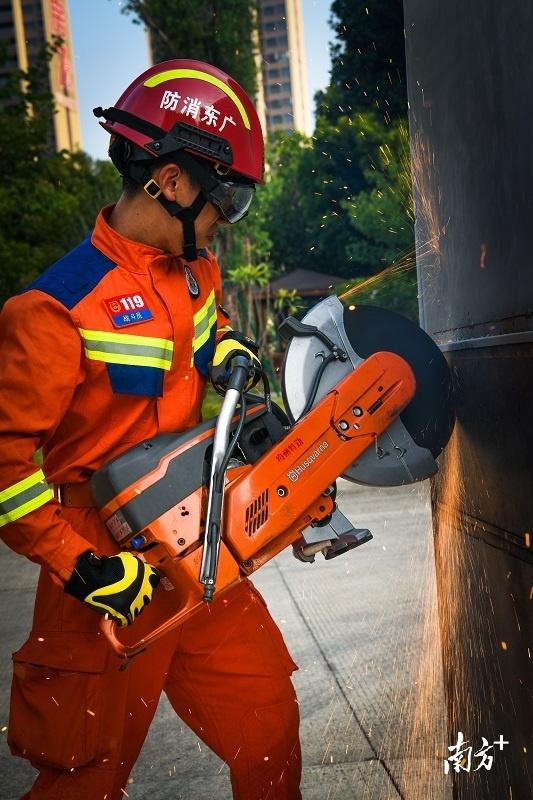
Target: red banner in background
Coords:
[(59, 28)]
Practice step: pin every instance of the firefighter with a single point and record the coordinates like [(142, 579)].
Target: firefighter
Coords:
[(109, 346)]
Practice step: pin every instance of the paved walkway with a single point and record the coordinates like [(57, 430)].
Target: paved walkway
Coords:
[(363, 630)]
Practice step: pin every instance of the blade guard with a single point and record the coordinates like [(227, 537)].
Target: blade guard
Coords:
[(405, 453)]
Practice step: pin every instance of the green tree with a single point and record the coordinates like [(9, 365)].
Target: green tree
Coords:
[(48, 200), (221, 33), (368, 60), (301, 209), (338, 203), (381, 220), (381, 216), (283, 199), (248, 278), (337, 154)]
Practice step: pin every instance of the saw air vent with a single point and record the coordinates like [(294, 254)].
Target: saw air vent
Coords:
[(256, 514)]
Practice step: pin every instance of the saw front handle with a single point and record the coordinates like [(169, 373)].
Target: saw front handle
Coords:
[(219, 461), (109, 629), (170, 608)]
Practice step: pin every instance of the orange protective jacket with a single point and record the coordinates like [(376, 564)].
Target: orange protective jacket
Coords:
[(108, 347)]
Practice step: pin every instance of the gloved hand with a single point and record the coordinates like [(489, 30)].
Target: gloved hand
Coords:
[(120, 585), (233, 344)]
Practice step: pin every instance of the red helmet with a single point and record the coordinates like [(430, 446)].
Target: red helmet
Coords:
[(192, 106)]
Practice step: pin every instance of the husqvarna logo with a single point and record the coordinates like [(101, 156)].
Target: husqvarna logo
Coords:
[(295, 473)]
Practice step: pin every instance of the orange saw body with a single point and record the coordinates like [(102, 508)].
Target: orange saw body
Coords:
[(278, 490)]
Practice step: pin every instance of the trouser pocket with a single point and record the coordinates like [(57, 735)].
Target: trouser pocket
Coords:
[(56, 711)]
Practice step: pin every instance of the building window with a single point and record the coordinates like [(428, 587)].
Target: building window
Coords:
[(276, 8), (275, 26), (31, 8), (276, 41)]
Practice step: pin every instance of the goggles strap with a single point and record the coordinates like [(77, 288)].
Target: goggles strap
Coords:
[(208, 181), (201, 174)]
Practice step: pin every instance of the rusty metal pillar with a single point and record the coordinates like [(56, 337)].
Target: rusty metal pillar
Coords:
[(470, 87)]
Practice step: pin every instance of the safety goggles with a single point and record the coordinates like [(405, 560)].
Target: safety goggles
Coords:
[(232, 199)]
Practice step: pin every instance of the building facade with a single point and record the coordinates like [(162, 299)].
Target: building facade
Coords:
[(25, 25), (283, 70)]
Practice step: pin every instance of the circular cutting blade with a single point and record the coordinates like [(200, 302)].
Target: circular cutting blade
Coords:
[(406, 452)]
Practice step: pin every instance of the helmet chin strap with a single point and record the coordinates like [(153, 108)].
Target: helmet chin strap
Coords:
[(186, 214)]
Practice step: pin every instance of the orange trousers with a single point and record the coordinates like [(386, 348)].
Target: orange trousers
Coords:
[(226, 671)]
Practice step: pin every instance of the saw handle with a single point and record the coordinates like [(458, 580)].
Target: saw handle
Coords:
[(291, 327), (222, 450), (109, 629), (239, 373)]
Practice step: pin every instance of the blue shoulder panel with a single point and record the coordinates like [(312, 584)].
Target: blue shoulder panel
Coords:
[(71, 278)]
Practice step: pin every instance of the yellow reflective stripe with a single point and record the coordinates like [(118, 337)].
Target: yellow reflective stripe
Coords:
[(132, 360), (170, 74), (204, 336), (198, 317), (126, 348), (25, 508), (204, 319), (126, 338), (21, 486)]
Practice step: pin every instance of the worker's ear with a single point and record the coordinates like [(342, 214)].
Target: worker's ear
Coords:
[(168, 178), (176, 184)]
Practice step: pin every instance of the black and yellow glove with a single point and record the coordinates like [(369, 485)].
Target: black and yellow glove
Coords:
[(120, 586), (230, 345)]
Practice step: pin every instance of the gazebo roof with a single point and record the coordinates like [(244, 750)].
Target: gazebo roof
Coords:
[(307, 282)]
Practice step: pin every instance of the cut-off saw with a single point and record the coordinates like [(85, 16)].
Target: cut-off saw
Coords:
[(367, 396)]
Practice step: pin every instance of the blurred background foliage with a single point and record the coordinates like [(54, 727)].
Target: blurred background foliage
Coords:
[(338, 202), (48, 200)]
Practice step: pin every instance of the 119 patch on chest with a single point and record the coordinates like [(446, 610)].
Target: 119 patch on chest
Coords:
[(127, 309)]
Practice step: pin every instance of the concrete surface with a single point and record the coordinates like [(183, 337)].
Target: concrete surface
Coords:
[(362, 629)]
